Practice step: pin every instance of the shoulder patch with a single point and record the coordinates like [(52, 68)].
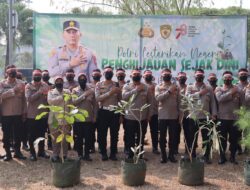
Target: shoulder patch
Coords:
[(52, 53)]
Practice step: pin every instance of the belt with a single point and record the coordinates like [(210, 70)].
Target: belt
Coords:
[(107, 108)]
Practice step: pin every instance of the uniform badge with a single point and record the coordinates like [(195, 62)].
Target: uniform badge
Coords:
[(165, 31)]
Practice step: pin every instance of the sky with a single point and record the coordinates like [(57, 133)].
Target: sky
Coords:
[(44, 6)]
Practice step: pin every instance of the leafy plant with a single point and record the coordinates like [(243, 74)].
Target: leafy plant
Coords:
[(194, 106), (126, 108), (244, 124), (63, 117)]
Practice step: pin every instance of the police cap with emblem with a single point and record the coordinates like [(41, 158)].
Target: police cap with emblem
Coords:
[(71, 24)]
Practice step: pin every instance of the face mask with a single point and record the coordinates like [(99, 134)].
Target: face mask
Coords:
[(136, 78), (59, 86), (70, 78), (12, 74), (227, 82), (199, 79), (108, 75), (243, 78), (46, 78), (37, 78), (212, 82), (166, 78), (82, 83), (182, 80), (96, 78), (148, 78), (121, 78)]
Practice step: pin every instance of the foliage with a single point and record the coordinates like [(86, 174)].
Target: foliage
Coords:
[(193, 106), (243, 123), (64, 116), (126, 108)]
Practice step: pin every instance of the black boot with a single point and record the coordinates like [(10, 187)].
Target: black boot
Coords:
[(164, 157), (8, 156), (86, 157), (206, 159), (233, 160), (172, 158), (222, 159), (113, 157), (19, 155)]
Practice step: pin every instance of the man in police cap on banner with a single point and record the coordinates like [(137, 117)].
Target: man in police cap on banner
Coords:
[(72, 54)]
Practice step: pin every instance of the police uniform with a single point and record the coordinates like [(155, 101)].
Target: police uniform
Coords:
[(168, 113), (132, 129), (247, 97), (208, 106), (55, 98), (228, 103), (36, 95), (107, 118), (83, 129), (13, 108), (70, 85)]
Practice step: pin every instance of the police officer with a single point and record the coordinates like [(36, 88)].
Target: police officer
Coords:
[(70, 82), (96, 76), (120, 75), (72, 54), (13, 111), (243, 82), (36, 94), (183, 120), (153, 120), (142, 97), (229, 98), (204, 94), (168, 98), (107, 93), (85, 100), (55, 97), (212, 80)]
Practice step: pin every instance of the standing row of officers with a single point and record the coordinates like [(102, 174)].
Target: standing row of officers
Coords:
[(20, 101)]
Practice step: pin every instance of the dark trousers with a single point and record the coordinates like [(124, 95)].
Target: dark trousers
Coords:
[(93, 138), (82, 130), (132, 131), (11, 126), (108, 119), (36, 129), (49, 141), (194, 128), (170, 126), (226, 128), (153, 124), (186, 130), (24, 135)]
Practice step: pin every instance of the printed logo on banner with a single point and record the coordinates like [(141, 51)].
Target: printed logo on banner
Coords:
[(165, 31), (181, 31), (146, 31)]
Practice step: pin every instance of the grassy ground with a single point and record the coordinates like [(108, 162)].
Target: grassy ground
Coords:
[(106, 175)]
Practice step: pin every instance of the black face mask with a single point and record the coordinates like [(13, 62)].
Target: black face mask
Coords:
[(108, 75), (82, 83), (136, 78), (59, 86), (167, 78), (199, 79), (243, 78), (227, 82), (121, 77), (37, 78), (182, 80), (46, 78), (12, 74), (96, 78), (70, 78), (148, 78), (213, 82)]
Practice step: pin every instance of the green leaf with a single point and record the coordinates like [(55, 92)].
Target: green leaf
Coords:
[(85, 113), (74, 96), (69, 119), (71, 106), (60, 138), (41, 115), (55, 108), (42, 106), (80, 117), (69, 139), (54, 122), (60, 116), (66, 97)]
